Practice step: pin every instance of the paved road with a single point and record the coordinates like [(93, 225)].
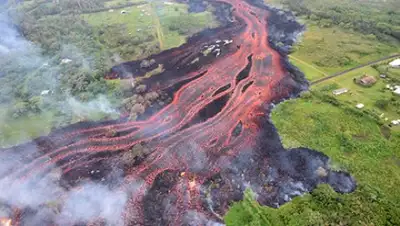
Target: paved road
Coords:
[(352, 69)]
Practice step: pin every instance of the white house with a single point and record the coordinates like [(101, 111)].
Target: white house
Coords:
[(45, 92), (395, 63), (396, 122), (397, 91), (340, 91), (360, 106), (66, 61)]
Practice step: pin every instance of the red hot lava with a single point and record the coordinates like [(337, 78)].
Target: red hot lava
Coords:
[(203, 149)]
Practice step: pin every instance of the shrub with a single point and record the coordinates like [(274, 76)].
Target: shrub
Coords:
[(382, 104)]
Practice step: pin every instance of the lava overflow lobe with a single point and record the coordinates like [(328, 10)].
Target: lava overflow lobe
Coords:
[(184, 164)]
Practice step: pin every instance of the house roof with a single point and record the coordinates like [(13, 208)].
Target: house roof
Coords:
[(360, 105), (368, 79), (342, 90), (395, 63)]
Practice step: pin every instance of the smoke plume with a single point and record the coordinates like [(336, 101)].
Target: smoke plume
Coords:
[(44, 195)]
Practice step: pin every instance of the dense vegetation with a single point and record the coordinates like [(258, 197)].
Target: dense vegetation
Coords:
[(371, 17), (328, 47), (356, 143)]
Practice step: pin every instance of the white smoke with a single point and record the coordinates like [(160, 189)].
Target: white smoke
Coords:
[(51, 201), (84, 109), (92, 201), (43, 193), (193, 217)]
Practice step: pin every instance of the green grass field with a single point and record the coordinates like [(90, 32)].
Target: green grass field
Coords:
[(131, 19), (334, 49), (356, 144), (114, 3), (153, 19), (312, 72), (365, 95), (328, 50), (16, 131)]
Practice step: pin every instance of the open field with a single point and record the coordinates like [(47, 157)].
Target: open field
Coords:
[(333, 50), (152, 23), (368, 96), (356, 143), (312, 72), (15, 131), (114, 3), (327, 48)]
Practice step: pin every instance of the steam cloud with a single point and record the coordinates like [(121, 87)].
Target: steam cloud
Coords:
[(100, 104), (44, 195)]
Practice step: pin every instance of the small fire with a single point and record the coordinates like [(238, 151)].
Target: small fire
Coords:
[(183, 174), (5, 221), (192, 184)]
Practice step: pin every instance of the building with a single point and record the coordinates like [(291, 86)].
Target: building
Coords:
[(366, 80), (360, 106), (66, 61), (395, 63), (45, 92), (396, 122), (397, 91), (340, 91)]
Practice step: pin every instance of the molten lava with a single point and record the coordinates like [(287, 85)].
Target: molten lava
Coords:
[(5, 222), (207, 146)]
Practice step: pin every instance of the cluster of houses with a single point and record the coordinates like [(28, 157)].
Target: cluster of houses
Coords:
[(216, 48), (394, 88), (396, 122), (367, 81)]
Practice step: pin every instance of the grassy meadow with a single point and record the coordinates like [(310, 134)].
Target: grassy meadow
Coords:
[(155, 19), (326, 48), (356, 143), (334, 49), (369, 96)]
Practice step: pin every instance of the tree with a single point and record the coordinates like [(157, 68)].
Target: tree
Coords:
[(382, 104)]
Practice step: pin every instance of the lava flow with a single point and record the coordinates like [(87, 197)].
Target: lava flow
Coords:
[(184, 164)]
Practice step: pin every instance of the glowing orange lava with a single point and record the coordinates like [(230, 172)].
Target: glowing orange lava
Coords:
[(5, 222)]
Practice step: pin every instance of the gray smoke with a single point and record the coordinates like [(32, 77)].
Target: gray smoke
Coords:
[(49, 200), (100, 104), (93, 201), (195, 218), (43, 193)]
